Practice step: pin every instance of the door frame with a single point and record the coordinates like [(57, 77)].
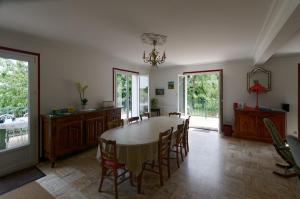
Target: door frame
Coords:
[(38, 135), (298, 100), (113, 79), (221, 91), (125, 71)]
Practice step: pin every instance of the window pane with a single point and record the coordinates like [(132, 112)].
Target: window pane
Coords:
[(121, 93), (181, 93), (144, 94)]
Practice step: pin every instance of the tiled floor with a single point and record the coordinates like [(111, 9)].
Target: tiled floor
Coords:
[(216, 167)]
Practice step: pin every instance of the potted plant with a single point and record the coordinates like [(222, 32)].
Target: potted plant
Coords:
[(81, 90), (154, 103)]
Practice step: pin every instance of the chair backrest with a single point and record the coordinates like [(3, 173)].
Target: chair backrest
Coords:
[(115, 123), (175, 113), (133, 119), (146, 114), (179, 133), (164, 143), (294, 144), (187, 124), (277, 140), (108, 149)]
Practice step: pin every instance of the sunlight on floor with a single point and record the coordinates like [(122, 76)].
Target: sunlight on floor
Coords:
[(204, 122)]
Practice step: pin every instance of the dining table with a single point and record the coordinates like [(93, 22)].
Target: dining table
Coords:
[(138, 142)]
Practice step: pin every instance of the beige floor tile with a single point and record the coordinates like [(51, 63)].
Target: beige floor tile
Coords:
[(216, 167)]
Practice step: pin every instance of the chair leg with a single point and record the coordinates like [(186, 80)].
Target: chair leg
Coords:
[(169, 169), (177, 156), (185, 147), (103, 173), (116, 182), (139, 181), (161, 177), (131, 179), (181, 153), (153, 164), (187, 143)]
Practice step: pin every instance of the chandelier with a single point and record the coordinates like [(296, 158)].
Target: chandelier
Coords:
[(154, 39)]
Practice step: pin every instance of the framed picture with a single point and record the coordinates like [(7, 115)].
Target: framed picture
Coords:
[(159, 91), (171, 85)]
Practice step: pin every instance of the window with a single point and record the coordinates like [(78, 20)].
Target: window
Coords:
[(131, 92)]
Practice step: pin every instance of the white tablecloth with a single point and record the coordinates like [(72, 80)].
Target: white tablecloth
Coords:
[(137, 142)]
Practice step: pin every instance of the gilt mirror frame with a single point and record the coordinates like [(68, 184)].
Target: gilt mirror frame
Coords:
[(259, 74)]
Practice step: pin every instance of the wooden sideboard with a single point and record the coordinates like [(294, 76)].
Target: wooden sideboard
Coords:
[(62, 135), (250, 125)]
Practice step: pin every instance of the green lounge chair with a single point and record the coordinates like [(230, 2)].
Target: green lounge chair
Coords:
[(295, 149), (282, 149)]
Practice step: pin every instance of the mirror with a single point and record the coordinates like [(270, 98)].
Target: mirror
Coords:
[(261, 75)]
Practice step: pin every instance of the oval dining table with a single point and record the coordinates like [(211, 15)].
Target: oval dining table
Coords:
[(138, 142)]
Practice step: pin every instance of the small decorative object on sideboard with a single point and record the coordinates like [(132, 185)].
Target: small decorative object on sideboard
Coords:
[(81, 89), (257, 88)]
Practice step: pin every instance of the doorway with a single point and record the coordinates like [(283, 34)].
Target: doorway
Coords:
[(19, 110), (131, 92), (200, 96)]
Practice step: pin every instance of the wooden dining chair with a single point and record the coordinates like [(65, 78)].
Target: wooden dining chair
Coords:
[(186, 135), (175, 113), (146, 115), (164, 145), (133, 120), (115, 123), (110, 165), (179, 143)]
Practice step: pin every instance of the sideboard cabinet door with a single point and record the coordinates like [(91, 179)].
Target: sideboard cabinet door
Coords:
[(68, 135), (94, 128)]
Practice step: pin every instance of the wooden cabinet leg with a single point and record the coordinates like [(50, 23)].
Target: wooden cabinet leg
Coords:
[(52, 163)]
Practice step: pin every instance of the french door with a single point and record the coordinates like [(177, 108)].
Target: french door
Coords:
[(131, 92), (18, 111), (143, 93), (200, 96)]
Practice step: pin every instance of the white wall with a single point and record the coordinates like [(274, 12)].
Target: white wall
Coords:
[(64, 64), (284, 86)]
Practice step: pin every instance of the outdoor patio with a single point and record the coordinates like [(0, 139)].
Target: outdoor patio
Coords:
[(14, 133), (211, 123)]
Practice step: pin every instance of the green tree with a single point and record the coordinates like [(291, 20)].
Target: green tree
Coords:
[(13, 87), (203, 94)]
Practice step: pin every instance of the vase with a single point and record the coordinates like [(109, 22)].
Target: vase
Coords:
[(83, 107)]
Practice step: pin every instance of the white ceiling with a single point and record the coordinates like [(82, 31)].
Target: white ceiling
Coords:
[(292, 46), (199, 31)]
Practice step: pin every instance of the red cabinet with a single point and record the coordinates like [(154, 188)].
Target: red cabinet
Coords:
[(250, 125)]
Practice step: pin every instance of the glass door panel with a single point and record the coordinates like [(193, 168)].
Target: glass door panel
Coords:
[(126, 92), (134, 95), (121, 93), (13, 104), (182, 101), (144, 93)]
